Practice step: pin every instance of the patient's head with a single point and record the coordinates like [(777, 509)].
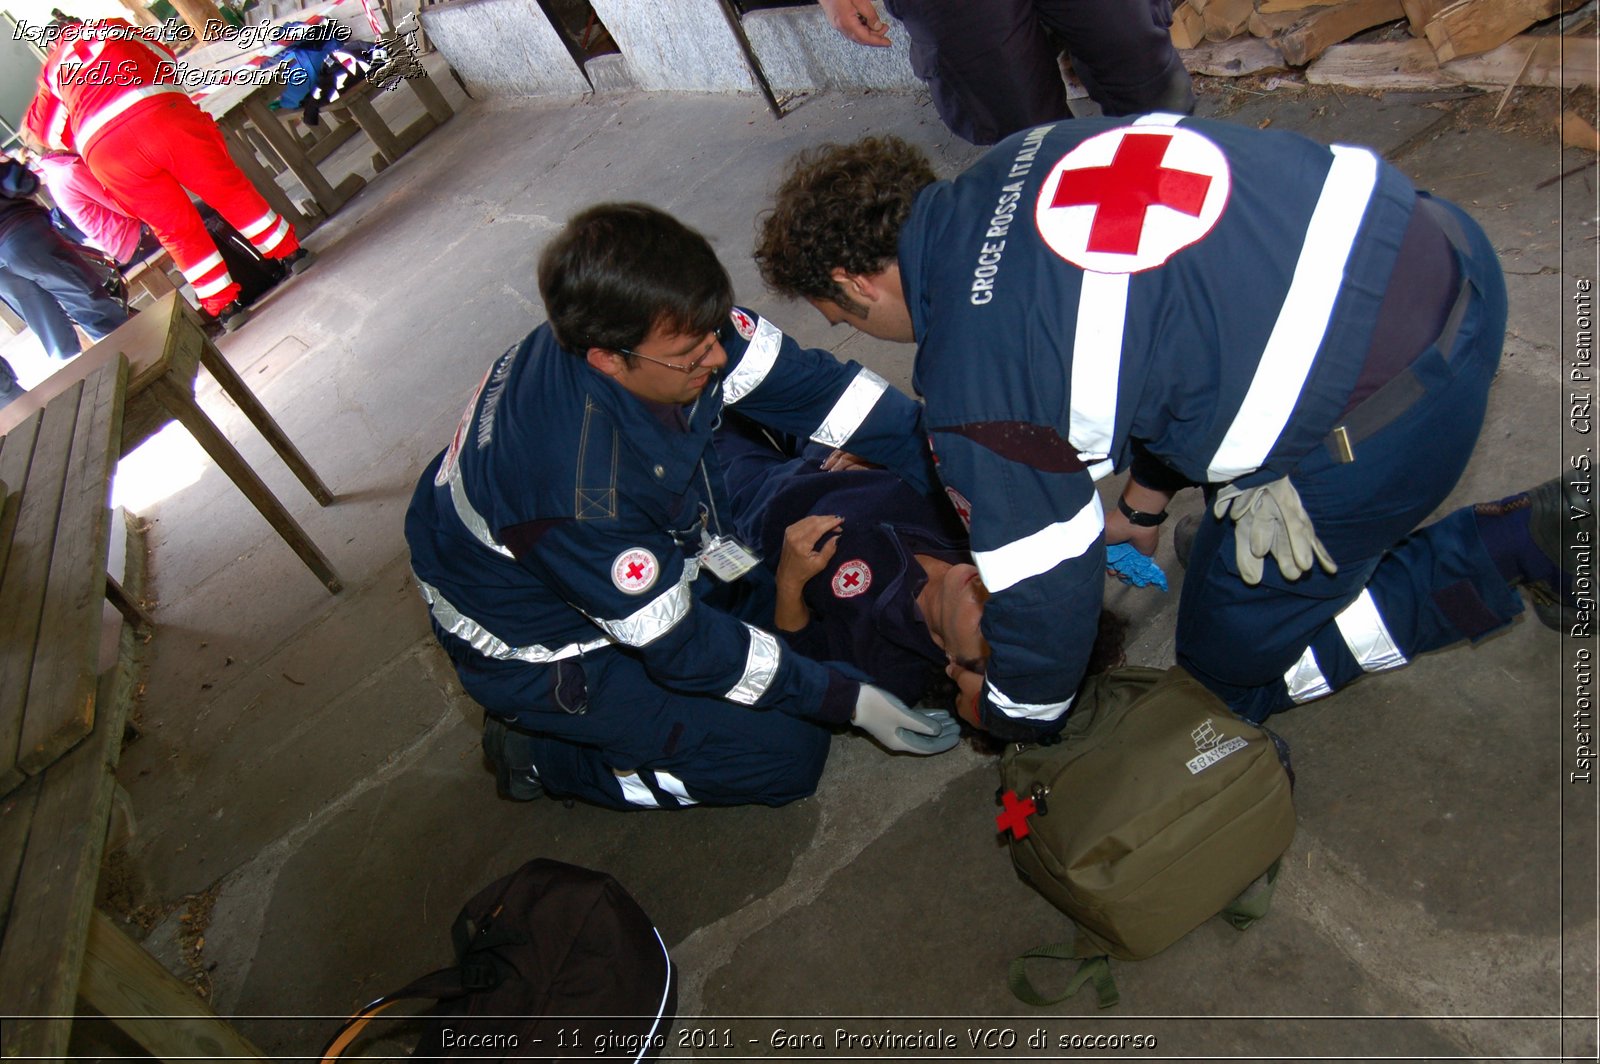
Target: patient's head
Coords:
[(952, 604)]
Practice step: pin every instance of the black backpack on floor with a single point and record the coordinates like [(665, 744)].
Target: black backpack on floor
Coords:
[(256, 275), (553, 962)]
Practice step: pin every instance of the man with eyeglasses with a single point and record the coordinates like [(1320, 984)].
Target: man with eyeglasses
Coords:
[(577, 554)]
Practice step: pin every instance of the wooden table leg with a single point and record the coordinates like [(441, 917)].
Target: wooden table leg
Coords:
[(131, 611), (425, 90), (179, 401), (245, 158), (375, 127), (149, 1003), (264, 422), (283, 142)]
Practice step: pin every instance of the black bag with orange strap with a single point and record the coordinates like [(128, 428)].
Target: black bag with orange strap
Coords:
[(553, 962)]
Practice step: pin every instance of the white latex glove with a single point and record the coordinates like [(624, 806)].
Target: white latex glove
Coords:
[(1272, 521), (898, 728)]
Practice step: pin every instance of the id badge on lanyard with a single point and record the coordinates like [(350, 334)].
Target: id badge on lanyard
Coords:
[(725, 557)]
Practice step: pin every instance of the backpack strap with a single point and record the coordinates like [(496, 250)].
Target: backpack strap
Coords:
[(1092, 969), (1254, 901), (441, 985)]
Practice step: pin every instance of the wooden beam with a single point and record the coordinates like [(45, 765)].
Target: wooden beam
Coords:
[(1227, 18), (1472, 27), (1420, 12), (1233, 59), (195, 15), (1188, 25), (1412, 66), (1325, 27), (1272, 23)]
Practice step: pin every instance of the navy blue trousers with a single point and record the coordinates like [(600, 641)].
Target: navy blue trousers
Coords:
[(51, 285), (992, 69), (1398, 592)]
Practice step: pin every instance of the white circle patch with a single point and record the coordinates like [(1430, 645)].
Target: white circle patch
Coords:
[(962, 506), (1131, 198), (852, 578), (744, 323), (635, 571)]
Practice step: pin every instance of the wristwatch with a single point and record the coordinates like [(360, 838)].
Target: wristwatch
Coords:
[(1139, 517)]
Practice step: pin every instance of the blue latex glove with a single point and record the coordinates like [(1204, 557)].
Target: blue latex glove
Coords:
[(1124, 562)]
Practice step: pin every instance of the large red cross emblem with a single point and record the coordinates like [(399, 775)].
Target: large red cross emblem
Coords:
[(1015, 817), (1128, 199)]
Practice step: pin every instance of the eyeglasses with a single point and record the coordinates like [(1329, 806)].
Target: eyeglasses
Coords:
[(679, 366)]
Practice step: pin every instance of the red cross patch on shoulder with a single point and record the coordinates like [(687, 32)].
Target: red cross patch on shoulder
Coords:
[(743, 322), (1129, 199), (962, 506), (852, 578), (635, 571)]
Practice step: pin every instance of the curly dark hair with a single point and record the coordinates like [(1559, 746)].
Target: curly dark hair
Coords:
[(841, 206)]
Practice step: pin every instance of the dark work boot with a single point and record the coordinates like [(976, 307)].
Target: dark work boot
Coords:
[(1531, 536), (510, 751), (300, 261), (232, 316)]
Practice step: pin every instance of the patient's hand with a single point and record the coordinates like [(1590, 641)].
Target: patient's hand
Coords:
[(970, 685), (841, 461)]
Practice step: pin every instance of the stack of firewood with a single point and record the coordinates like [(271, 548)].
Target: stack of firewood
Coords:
[(1431, 44)]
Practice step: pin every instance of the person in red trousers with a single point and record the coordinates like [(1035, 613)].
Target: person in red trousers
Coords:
[(110, 93)]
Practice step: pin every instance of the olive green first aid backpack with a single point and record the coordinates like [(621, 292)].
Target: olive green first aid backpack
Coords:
[(1155, 810)]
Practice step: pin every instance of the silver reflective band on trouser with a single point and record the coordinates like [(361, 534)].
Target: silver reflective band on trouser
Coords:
[(658, 616), (1042, 550), (636, 792), (760, 666), (759, 356), (1366, 637), (470, 517), (859, 397), (1302, 320), (480, 639), (1027, 710)]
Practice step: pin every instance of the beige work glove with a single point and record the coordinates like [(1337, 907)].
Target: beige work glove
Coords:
[(1272, 521)]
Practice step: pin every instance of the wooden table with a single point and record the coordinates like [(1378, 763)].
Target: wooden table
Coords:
[(60, 739), (165, 345)]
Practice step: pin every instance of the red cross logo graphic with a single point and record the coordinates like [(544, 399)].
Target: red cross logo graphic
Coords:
[(636, 570), (1124, 192), (1015, 818), (851, 579), (1128, 199)]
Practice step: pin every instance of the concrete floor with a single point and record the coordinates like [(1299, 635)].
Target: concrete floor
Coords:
[(307, 784)]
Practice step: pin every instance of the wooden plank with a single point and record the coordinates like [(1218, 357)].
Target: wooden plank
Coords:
[(1472, 27), (1318, 31), (151, 1005), (41, 957), (1274, 7), (1233, 59), (1188, 25), (22, 586), (61, 693), (1420, 12), (1272, 23), (1411, 65), (16, 452), (1227, 18), (16, 814)]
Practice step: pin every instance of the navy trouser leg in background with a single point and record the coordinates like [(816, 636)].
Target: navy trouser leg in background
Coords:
[(1397, 593), (992, 68), (50, 285)]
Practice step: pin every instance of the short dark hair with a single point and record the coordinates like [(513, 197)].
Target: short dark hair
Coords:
[(842, 206), (618, 270)]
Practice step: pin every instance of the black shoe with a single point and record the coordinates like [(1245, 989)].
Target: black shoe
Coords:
[(1546, 556), (232, 316), (510, 751), (300, 261)]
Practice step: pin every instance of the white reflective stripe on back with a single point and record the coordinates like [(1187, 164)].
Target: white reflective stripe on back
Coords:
[(674, 786), (760, 666), (1367, 636), (204, 266), (1027, 710), (1159, 118), (470, 517), (274, 238), (658, 616), (1303, 319), (636, 791), (1097, 363), (1305, 680), (211, 288), (1041, 551), (1101, 470), (859, 397), (97, 121), (261, 224), (759, 356), (480, 639)]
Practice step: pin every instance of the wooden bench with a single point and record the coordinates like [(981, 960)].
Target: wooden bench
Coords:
[(61, 723)]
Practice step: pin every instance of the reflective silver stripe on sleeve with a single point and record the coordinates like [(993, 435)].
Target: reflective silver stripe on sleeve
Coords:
[(760, 666), (470, 517), (1027, 710), (1305, 680), (480, 639), (859, 397), (1096, 364), (1367, 636), (1303, 319), (636, 791), (674, 786), (658, 616), (1041, 551), (759, 356)]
